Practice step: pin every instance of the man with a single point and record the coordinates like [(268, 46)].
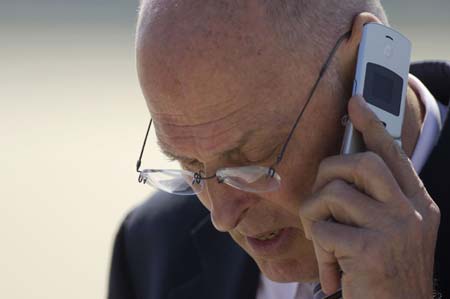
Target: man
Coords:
[(224, 82)]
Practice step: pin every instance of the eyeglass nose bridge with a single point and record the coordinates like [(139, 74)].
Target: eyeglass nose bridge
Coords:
[(198, 178)]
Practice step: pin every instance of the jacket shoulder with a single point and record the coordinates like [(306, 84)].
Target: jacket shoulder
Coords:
[(164, 214), (435, 74), (153, 248)]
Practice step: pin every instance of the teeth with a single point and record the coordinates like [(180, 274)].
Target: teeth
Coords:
[(269, 236)]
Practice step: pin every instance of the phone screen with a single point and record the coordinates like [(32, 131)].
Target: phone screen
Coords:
[(383, 88)]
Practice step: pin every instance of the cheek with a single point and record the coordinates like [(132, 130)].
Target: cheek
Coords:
[(299, 173), (297, 180)]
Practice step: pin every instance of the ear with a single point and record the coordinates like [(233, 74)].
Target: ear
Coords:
[(357, 28), (349, 53)]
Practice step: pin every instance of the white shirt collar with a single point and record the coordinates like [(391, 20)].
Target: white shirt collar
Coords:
[(268, 289), (431, 127)]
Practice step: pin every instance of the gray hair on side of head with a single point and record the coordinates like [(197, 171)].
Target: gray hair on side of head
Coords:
[(309, 28)]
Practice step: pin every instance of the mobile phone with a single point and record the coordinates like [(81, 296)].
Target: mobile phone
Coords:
[(381, 77)]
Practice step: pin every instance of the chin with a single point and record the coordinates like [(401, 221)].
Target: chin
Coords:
[(290, 270)]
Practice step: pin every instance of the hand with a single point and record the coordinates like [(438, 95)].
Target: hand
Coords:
[(385, 224)]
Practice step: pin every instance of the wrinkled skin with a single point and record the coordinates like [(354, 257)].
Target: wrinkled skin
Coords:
[(223, 93)]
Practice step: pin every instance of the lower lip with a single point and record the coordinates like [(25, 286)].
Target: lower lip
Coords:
[(273, 246)]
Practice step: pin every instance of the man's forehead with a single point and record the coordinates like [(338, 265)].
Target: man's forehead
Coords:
[(185, 153), (240, 133)]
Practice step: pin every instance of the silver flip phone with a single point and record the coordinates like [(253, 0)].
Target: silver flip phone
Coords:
[(381, 77)]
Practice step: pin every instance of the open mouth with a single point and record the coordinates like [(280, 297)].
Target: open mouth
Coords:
[(271, 243), (268, 236)]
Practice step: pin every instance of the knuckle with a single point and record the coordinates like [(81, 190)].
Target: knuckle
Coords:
[(334, 187), (428, 208), (367, 161), (392, 149), (435, 214), (414, 224), (324, 164), (315, 228), (303, 210), (416, 221), (307, 206), (404, 207), (436, 211), (374, 124)]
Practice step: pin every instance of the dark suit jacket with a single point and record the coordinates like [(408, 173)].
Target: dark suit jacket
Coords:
[(168, 248)]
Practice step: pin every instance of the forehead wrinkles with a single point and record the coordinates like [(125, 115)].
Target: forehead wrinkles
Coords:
[(209, 138), (188, 113), (206, 142)]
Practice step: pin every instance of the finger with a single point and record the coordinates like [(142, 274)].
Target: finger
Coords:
[(366, 170), (378, 140), (329, 271), (333, 242), (343, 203)]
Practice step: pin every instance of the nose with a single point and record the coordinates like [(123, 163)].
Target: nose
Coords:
[(227, 205)]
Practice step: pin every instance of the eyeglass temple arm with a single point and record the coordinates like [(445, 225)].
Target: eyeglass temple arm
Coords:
[(321, 73), (138, 163)]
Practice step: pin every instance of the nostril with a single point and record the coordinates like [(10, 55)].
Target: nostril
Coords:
[(225, 221), (227, 205)]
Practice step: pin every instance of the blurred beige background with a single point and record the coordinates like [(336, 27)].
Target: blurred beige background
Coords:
[(72, 120)]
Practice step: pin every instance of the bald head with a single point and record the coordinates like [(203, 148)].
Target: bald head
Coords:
[(200, 36), (223, 56), (209, 54), (309, 25)]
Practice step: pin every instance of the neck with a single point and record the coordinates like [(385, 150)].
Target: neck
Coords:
[(414, 115)]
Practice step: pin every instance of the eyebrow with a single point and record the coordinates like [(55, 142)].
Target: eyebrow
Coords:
[(237, 146), (173, 156)]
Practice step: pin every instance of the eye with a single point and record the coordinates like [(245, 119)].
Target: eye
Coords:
[(260, 157), (254, 160)]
